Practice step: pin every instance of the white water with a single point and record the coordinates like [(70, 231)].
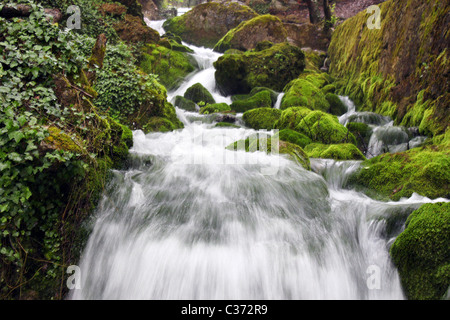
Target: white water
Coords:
[(278, 102), (180, 224), (385, 136)]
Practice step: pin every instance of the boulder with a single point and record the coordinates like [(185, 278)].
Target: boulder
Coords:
[(132, 29), (340, 152), (185, 104), (207, 23), (198, 93), (259, 100), (249, 33), (214, 108), (171, 66), (273, 68), (261, 118), (317, 125)]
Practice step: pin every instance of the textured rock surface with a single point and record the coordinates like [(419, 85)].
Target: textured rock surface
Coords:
[(246, 36), (401, 69), (207, 23)]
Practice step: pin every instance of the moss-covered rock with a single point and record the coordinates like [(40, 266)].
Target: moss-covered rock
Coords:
[(261, 118), (185, 104), (400, 70), (337, 107), (344, 151), (304, 93), (251, 32), (215, 108), (421, 253), (273, 68), (259, 143), (171, 66), (362, 133), (317, 125), (207, 23), (424, 170), (261, 99), (314, 59), (198, 93), (294, 137)]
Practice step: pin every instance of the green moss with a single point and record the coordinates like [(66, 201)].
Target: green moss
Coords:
[(158, 124), (198, 93), (186, 104), (329, 88), (60, 140), (214, 108), (314, 59), (337, 107), (345, 151), (272, 68), (261, 99), (392, 70), (290, 117), (258, 143), (424, 170), (171, 66), (261, 118), (294, 137), (292, 151), (362, 133), (248, 34), (421, 252), (317, 125), (303, 93)]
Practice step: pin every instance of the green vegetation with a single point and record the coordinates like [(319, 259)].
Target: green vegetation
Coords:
[(261, 118), (214, 108), (317, 125), (422, 252), (171, 66), (199, 94), (249, 33), (423, 170), (261, 99), (345, 151), (186, 104), (392, 70), (272, 68), (62, 97), (294, 137)]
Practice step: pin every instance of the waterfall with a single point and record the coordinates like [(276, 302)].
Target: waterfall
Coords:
[(189, 219), (278, 102)]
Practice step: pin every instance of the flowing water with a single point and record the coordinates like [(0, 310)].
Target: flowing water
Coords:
[(190, 219)]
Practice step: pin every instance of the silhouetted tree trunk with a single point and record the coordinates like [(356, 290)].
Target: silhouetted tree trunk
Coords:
[(326, 10), (314, 11)]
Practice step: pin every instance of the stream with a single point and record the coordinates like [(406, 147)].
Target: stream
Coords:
[(189, 219)]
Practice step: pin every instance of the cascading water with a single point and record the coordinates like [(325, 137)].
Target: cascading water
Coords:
[(385, 136), (182, 223)]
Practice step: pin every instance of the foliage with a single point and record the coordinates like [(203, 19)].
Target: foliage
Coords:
[(55, 154), (120, 87)]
